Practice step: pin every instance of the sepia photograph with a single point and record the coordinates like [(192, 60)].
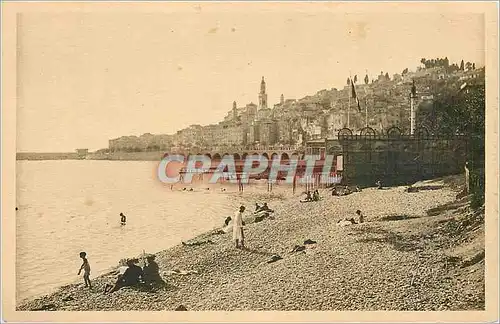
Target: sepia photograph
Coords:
[(250, 157)]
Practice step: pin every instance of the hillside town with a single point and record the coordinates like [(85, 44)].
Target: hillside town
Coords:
[(378, 103)]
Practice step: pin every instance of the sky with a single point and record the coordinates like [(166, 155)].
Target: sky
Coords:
[(85, 78)]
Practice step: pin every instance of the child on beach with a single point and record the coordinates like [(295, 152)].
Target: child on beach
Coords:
[(238, 235), (86, 269)]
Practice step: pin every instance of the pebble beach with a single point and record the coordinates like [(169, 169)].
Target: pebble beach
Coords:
[(415, 251)]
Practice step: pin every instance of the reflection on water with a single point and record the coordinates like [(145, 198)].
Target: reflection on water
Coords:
[(70, 206)]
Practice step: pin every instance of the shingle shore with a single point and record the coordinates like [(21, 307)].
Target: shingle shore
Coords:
[(413, 262)]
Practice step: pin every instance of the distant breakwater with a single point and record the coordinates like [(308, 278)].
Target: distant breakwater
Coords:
[(115, 156)]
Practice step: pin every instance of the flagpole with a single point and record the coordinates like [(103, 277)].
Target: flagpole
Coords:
[(366, 111), (412, 109), (349, 94), (349, 104), (412, 115), (366, 105)]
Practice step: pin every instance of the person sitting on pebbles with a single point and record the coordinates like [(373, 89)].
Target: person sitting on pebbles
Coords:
[(316, 196), (257, 207), (151, 272), (346, 221), (308, 197), (361, 216), (347, 191), (265, 208), (131, 277)]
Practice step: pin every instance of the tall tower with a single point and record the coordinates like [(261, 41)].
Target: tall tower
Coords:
[(235, 113), (262, 95)]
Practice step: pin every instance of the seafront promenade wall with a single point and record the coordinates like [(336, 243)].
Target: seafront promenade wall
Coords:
[(400, 160)]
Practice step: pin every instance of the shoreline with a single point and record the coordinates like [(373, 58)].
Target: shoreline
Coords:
[(258, 191), (224, 278)]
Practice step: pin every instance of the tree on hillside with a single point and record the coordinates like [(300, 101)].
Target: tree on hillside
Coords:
[(366, 79), (463, 111), (387, 76), (355, 78), (462, 65), (405, 71), (348, 81), (473, 66), (446, 62), (468, 66), (457, 110), (454, 67)]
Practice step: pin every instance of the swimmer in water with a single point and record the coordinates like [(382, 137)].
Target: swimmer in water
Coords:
[(123, 219)]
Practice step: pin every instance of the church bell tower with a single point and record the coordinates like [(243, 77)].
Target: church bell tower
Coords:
[(262, 95)]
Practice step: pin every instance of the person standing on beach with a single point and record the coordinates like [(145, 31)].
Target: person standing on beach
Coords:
[(467, 178), (123, 219), (86, 269), (238, 235)]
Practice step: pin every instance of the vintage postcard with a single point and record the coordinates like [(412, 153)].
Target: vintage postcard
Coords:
[(249, 161)]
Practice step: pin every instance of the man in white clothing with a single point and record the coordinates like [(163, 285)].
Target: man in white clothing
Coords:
[(238, 236), (467, 178)]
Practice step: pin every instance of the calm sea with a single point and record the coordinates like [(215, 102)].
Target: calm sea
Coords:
[(70, 206)]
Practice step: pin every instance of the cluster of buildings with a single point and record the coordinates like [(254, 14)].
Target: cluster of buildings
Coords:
[(249, 125), (384, 102)]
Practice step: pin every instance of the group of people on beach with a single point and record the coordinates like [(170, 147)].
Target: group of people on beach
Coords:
[(149, 275), (191, 189), (312, 197), (132, 275), (342, 192), (346, 190)]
